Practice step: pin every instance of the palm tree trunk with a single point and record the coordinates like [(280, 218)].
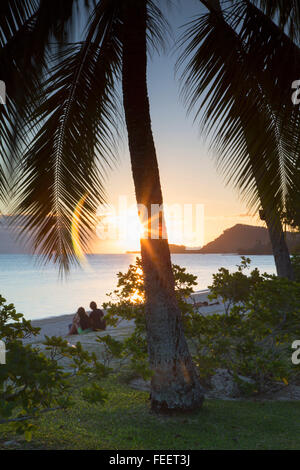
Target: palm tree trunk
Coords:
[(271, 217), (175, 385), (279, 246)]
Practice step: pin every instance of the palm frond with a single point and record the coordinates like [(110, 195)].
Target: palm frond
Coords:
[(13, 15), (233, 79), (68, 157), (158, 28), (286, 13), (27, 29), (74, 122)]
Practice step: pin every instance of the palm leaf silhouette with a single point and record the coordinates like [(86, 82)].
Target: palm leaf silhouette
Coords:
[(237, 73)]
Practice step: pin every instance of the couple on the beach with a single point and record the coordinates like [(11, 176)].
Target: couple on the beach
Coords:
[(84, 323)]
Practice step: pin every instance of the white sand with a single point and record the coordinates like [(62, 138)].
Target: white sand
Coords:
[(58, 325)]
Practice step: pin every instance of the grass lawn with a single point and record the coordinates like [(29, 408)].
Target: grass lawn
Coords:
[(124, 422)]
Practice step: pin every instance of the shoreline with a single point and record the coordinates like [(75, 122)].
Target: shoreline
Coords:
[(201, 292), (58, 325)]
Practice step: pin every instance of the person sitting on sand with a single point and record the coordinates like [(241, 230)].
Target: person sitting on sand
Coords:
[(96, 317), (81, 323)]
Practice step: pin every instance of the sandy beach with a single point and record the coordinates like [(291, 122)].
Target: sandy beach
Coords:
[(58, 325)]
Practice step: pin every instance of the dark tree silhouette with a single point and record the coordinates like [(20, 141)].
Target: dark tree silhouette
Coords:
[(73, 105), (240, 60)]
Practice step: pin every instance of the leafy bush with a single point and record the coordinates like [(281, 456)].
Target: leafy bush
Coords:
[(32, 381), (251, 340), (127, 303)]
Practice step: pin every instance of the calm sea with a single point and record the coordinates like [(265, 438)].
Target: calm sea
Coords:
[(39, 293)]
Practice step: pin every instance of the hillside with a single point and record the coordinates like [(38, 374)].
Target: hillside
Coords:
[(246, 239), (242, 239)]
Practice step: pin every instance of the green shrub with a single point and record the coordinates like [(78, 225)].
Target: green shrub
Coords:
[(127, 303), (252, 339), (32, 381)]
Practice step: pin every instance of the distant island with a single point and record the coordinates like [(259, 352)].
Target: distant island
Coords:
[(240, 239)]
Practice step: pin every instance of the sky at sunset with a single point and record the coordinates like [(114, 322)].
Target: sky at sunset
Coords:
[(188, 171)]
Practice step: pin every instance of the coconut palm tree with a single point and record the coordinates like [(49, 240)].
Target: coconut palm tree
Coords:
[(240, 61), (67, 116)]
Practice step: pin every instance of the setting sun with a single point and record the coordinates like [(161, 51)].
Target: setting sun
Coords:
[(184, 225)]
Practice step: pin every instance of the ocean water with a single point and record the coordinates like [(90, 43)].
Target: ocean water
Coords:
[(39, 292)]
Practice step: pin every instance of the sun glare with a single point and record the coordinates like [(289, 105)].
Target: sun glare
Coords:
[(125, 228), (136, 297), (75, 229), (122, 226)]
